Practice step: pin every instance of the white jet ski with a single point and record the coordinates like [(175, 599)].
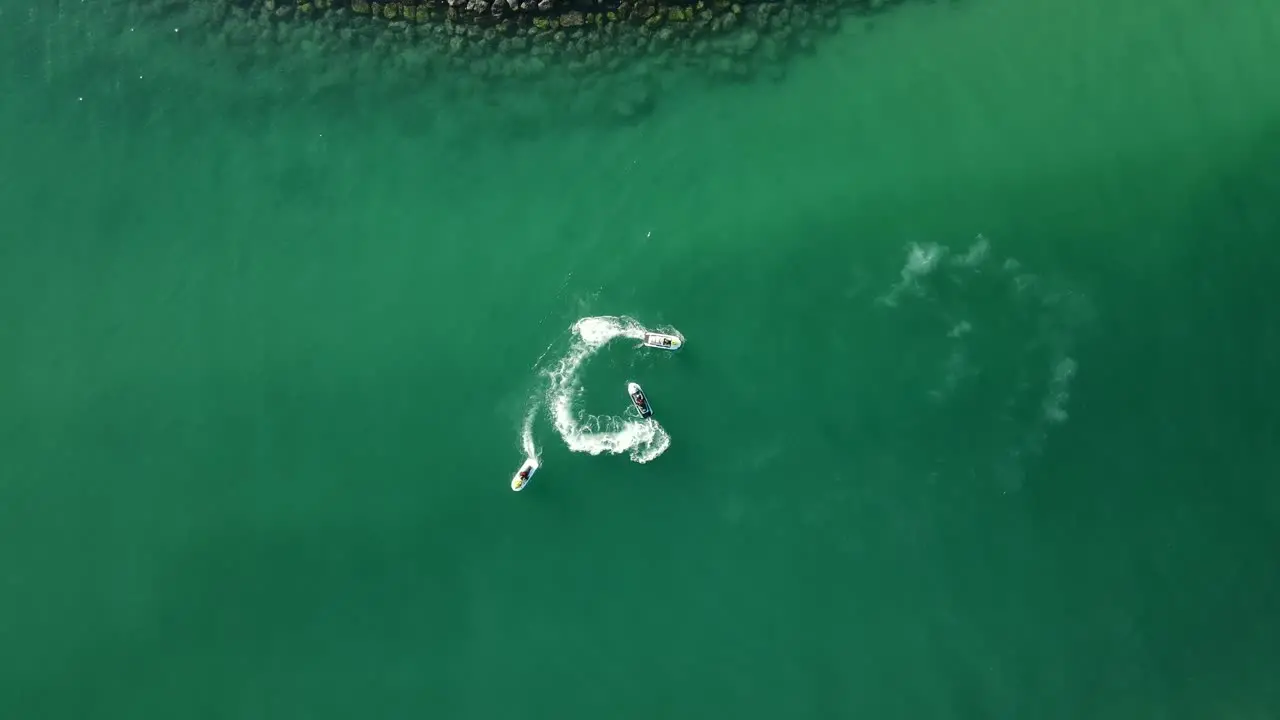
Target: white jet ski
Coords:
[(662, 341), (521, 478), (639, 400)]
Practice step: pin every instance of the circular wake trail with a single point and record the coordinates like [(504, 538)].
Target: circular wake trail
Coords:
[(1003, 334), (643, 439)]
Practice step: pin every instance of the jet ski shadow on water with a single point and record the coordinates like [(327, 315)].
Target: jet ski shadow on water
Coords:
[(639, 399)]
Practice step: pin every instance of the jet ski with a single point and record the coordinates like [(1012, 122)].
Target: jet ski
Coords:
[(662, 341), (521, 478), (639, 400)]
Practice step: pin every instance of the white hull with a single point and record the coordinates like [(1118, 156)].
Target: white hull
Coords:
[(633, 389), (662, 341), (519, 483)]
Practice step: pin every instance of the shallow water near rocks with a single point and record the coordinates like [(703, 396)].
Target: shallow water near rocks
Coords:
[(974, 418)]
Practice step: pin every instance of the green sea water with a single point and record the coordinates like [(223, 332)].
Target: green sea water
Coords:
[(976, 416)]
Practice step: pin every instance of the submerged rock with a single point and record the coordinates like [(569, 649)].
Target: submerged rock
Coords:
[(623, 50)]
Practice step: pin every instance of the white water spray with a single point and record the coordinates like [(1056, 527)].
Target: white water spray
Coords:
[(526, 434)]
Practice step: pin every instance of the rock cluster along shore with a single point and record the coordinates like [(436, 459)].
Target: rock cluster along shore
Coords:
[(625, 47), (730, 37)]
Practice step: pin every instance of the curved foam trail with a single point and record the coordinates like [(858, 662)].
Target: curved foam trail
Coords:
[(921, 262), (1027, 340), (644, 439)]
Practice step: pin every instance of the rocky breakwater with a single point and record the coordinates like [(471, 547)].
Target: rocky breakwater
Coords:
[(626, 47), (724, 36)]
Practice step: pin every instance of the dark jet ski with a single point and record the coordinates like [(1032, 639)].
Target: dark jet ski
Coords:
[(639, 400)]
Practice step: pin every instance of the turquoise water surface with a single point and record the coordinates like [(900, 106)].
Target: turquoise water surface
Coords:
[(976, 416)]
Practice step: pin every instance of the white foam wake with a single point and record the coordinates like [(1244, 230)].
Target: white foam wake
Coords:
[(643, 439), (922, 260), (526, 434), (1002, 332)]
